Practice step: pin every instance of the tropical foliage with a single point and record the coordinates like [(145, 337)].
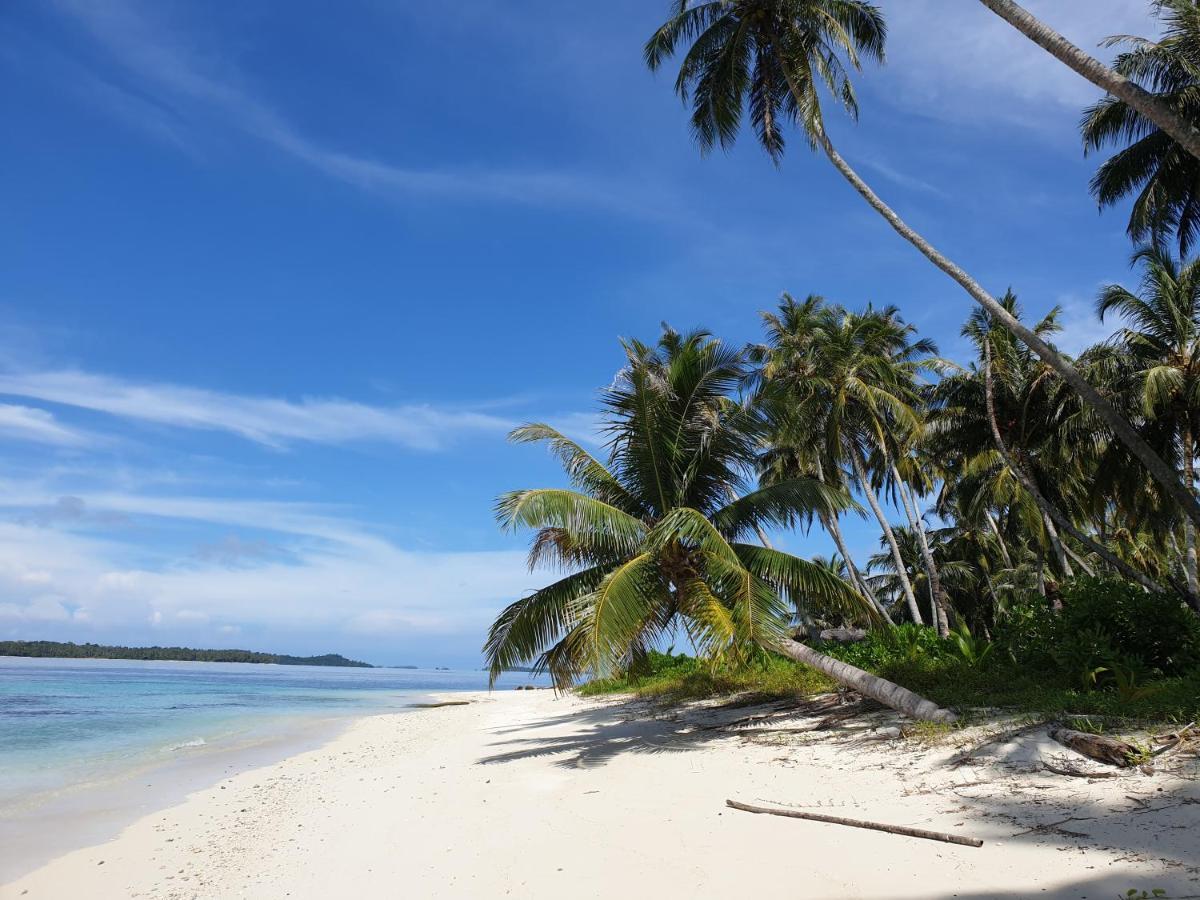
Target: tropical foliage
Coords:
[(661, 534), (1036, 513)]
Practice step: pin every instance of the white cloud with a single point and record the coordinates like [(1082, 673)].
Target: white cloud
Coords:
[(37, 425), (265, 420), (959, 62), (1081, 327), (338, 581)]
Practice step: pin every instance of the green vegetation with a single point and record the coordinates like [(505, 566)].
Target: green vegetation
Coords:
[(670, 677), (935, 667), (1045, 557), (57, 650)]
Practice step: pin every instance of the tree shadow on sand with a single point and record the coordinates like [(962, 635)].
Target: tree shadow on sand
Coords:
[(1003, 794), (600, 733)]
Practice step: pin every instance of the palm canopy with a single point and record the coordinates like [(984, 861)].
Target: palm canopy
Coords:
[(657, 534), (1162, 332), (1159, 173), (768, 56), (851, 379)]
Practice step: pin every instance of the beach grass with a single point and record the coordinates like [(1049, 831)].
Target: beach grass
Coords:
[(999, 686)]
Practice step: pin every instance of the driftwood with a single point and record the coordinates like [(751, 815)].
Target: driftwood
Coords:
[(1172, 741), (858, 823), (1096, 746), (440, 704), (1076, 773)]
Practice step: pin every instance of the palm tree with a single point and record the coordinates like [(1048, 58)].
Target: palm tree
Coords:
[(652, 540), (1158, 170), (1175, 122), (1161, 339), (917, 473), (1001, 427), (851, 378), (790, 453), (774, 57)]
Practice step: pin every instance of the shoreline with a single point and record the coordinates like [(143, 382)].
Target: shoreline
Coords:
[(51, 823), (526, 793)]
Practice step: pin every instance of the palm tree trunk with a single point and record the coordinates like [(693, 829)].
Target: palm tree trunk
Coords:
[(1189, 529), (860, 470), (1079, 560), (1050, 513), (860, 583), (1136, 97), (1056, 544), (880, 689), (995, 529), (1159, 470), (937, 597)]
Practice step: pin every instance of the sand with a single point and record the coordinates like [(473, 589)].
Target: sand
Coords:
[(524, 794)]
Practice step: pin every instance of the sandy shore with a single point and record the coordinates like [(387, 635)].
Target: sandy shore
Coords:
[(525, 795)]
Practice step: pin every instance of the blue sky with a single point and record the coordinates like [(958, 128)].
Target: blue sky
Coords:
[(276, 279)]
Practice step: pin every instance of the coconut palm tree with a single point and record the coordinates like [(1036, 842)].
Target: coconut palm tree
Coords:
[(852, 379), (651, 540), (1154, 167), (1001, 430), (1161, 340), (775, 57), (1176, 123)]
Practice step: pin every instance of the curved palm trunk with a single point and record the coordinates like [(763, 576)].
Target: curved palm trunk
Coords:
[(1098, 74), (1159, 470), (1189, 529), (861, 471), (995, 529), (1056, 544), (860, 583), (1049, 512), (886, 692), (937, 596)]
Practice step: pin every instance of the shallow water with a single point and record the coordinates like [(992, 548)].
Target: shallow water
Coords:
[(75, 735)]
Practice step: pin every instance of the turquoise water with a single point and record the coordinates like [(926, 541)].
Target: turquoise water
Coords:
[(64, 723)]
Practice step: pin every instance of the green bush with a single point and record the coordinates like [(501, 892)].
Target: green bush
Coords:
[(1102, 620), (883, 647), (1154, 630)]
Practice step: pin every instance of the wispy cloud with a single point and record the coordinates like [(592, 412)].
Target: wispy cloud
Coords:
[(136, 38), (903, 179), (28, 424), (270, 421)]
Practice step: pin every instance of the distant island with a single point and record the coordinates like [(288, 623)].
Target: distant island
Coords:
[(57, 649)]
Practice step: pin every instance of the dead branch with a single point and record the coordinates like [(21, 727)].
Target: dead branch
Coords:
[(858, 823)]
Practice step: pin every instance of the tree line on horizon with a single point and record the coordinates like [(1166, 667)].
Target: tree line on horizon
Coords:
[(1039, 469), (71, 650)]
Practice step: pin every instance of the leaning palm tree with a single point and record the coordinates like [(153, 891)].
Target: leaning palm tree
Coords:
[(1177, 123), (1161, 340), (652, 541), (1154, 167), (775, 57)]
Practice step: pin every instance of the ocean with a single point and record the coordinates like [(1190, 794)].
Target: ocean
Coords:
[(76, 736)]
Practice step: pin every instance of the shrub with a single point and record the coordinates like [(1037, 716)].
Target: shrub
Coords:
[(1103, 619), (1154, 630), (905, 644)]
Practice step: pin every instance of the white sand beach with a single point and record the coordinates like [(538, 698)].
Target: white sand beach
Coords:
[(523, 794)]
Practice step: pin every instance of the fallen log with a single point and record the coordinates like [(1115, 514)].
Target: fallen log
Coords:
[(439, 704), (1097, 746), (857, 823)]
